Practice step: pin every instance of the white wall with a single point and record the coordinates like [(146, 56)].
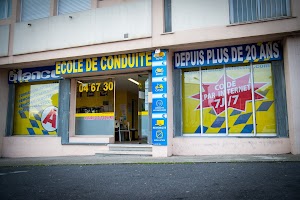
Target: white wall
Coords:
[(192, 14), (101, 25), (45, 146), (292, 74), (230, 146), (4, 40)]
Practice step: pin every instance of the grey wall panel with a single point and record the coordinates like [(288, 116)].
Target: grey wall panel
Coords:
[(4, 40), (94, 127), (64, 110), (177, 103), (10, 110), (280, 98)]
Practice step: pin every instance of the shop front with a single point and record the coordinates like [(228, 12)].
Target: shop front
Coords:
[(228, 92), (78, 107), (34, 93), (113, 107), (108, 99)]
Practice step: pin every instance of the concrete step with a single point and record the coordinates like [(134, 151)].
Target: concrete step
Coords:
[(129, 153), (130, 147)]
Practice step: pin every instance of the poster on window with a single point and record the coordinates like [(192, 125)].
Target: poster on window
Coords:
[(36, 109), (229, 96)]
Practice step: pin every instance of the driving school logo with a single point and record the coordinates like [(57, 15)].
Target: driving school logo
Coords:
[(49, 118), (239, 92)]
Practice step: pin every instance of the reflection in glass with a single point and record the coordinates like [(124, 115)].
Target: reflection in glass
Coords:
[(191, 101), (96, 96), (36, 108), (213, 101), (239, 99), (265, 108)]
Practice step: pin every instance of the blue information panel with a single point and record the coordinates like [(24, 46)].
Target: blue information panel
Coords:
[(159, 98)]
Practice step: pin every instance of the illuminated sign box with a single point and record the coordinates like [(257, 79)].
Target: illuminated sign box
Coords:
[(256, 52), (104, 63)]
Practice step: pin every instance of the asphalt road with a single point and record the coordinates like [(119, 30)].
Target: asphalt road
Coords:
[(153, 181)]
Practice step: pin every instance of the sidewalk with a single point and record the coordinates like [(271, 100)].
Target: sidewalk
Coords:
[(101, 159)]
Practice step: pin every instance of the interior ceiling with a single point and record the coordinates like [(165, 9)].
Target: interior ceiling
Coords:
[(122, 83)]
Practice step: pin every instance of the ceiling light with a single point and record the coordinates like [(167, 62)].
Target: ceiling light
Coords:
[(134, 81)]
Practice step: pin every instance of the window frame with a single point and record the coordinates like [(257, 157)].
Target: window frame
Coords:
[(167, 16), (21, 12), (259, 12), (279, 96), (7, 11), (10, 123), (66, 13)]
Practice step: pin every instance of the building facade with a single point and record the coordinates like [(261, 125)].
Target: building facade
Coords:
[(190, 77)]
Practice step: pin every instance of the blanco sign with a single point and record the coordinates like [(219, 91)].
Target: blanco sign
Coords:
[(32, 74)]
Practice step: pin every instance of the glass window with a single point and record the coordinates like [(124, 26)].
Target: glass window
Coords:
[(36, 108), (95, 107), (264, 100), (237, 100), (5, 9), (71, 6), (213, 101), (95, 96), (253, 10), (168, 15), (34, 9), (191, 101)]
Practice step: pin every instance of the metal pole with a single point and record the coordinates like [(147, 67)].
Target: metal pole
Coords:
[(201, 106), (253, 98), (225, 99)]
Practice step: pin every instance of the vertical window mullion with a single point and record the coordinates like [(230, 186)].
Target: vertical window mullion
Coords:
[(247, 12), (237, 11), (225, 99), (253, 98), (201, 106), (288, 7), (181, 100), (281, 8), (258, 10), (21, 11), (6, 9), (276, 9), (242, 3), (266, 9), (231, 11), (271, 10), (167, 16), (251, 10)]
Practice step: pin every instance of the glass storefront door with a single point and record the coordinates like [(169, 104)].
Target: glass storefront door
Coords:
[(143, 113), (122, 100), (95, 103)]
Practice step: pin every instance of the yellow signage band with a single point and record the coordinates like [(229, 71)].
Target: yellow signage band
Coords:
[(104, 63), (107, 114)]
